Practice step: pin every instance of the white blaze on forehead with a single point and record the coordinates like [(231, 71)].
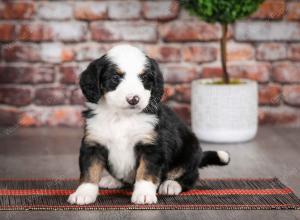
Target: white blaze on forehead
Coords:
[(129, 59), (132, 62)]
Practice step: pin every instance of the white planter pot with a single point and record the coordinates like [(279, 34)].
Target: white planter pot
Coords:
[(224, 113)]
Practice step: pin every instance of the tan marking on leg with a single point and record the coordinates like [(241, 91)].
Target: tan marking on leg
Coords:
[(141, 170), (142, 173), (94, 173), (175, 173)]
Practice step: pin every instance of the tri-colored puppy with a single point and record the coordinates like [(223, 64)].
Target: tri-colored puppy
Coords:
[(132, 135)]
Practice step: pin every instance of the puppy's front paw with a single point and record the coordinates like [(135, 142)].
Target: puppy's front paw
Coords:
[(110, 182), (143, 198), (170, 187), (144, 193), (86, 193)]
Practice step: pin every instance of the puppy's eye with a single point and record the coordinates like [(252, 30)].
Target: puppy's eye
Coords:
[(146, 77), (116, 78)]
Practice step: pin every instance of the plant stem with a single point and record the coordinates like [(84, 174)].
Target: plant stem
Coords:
[(223, 43)]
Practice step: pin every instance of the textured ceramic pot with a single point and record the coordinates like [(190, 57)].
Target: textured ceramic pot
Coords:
[(224, 113)]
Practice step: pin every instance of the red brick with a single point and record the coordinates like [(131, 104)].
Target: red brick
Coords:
[(52, 116), (116, 31), (15, 96), (239, 52), (7, 32), (90, 10), (70, 74), (43, 74), (69, 31), (293, 11), (169, 92), (269, 94), (32, 118), (189, 31), (67, 116), (270, 9), (267, 31), (163, 53), (183, 93), (35, 32), (294, 51), (211, 72), (16, 10), (55, 11), (183, 111), (21, 52), (278, 116), (160, 10), (185, 15), (8, 117), (286, 72), (67, 54), (178, 73), (230, 32), (61, 31), (271, 51), (291, 95), (258, 71), (56, 53), (199, 53), (51, 96), (124, 10), (90, 51), (77, 97), (26, 74)]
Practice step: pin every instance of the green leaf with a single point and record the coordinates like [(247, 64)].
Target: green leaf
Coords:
[(222, 11)]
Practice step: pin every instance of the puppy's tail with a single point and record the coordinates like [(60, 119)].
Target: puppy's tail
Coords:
[(220, 158)]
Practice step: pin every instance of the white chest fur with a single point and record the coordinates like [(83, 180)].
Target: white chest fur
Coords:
[(120, 133)]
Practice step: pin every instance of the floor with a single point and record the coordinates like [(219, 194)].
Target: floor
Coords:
[(53, 153)]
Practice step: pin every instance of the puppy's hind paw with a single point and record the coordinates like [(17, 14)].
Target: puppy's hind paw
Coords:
[(110, 182)]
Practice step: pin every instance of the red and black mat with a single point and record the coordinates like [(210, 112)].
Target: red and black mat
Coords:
[(51, 194)]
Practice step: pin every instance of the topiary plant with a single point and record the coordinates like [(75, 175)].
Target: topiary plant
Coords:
[(224, 12)]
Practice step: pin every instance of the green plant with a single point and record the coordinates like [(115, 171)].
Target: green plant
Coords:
[(223, 12)]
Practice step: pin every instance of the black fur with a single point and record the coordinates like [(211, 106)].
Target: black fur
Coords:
[(88, 154), (99, 77), (176, 146), (211, 158), (89, 81), (179, 146)]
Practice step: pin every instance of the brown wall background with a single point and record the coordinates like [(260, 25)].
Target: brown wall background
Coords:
[(44, 45)]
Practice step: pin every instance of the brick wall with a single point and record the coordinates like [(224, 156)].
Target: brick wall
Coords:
[(46, 44)]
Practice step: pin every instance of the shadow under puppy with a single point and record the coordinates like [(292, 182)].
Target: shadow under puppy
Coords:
[(132, 135)]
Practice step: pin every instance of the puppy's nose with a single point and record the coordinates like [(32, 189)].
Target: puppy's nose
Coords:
[(133, 100)]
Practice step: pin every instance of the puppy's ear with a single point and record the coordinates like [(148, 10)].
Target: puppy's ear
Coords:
[(158, 89), (90, 80)]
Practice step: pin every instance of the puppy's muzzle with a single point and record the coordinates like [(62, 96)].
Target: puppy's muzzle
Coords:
[(133, 100)]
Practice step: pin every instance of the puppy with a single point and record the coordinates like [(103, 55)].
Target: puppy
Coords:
[(130, 134)]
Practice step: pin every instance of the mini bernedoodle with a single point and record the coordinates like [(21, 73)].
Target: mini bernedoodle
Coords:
[(131, 135)]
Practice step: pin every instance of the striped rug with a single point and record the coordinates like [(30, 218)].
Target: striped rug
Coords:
[(52, 194)]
